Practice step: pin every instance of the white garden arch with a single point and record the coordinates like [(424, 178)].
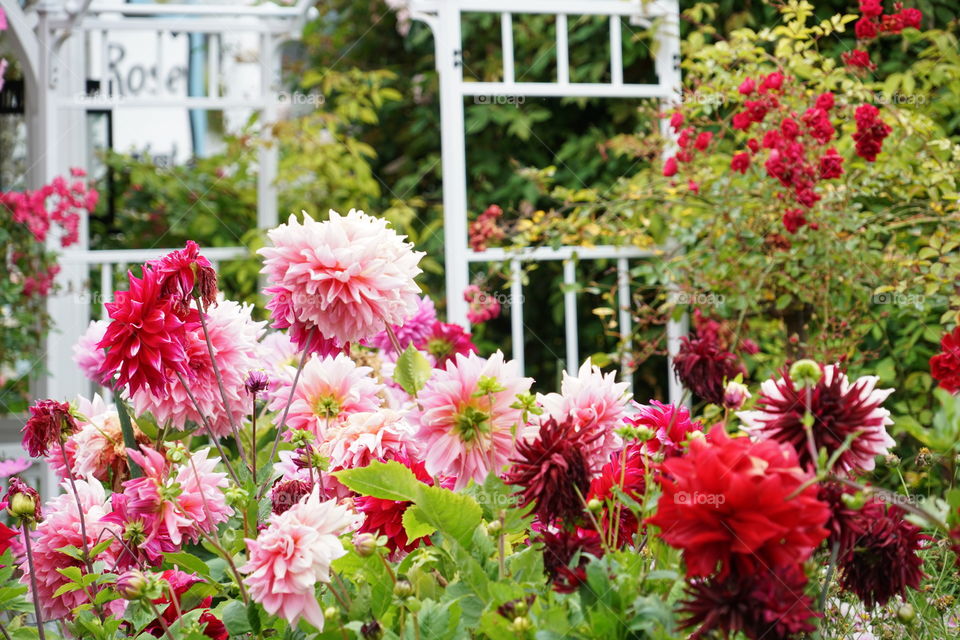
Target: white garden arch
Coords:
[(444, 18)]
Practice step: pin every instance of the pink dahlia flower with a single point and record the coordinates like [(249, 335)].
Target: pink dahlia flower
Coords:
[(179, 500), (293, 554), (670, 424), (61, 528), (839, 410), (279, 357), (413, 331), (367, 436), (595, 402), (347, 277), (97, 449), (329, 389), (86, 354), (234, 336), (145, 339), (467, 425), (445, 341)]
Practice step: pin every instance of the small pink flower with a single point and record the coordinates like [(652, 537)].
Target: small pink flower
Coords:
[(483, 306), (346, 277), (670, 424), (467, 424), (293, 554), (414, 330)]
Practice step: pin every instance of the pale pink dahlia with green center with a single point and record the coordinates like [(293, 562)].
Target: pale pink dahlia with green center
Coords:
[(346, 278), (468, 424)]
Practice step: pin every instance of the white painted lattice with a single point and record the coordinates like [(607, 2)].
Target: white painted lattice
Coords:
[(445, 18)]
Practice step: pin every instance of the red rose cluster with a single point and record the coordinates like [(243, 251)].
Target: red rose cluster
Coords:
[(871, 131), (874, 22), (485, 228)]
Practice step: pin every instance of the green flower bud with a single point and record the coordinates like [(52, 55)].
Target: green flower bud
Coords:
[(854, 501), (906, 612), (365, 544), (521, 624), (594, 505), (805, 373), (494, 527), (403, 588)]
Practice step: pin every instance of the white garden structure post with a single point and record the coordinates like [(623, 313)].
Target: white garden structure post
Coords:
[(445, 18)]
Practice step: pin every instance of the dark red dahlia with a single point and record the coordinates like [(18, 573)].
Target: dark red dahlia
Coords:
[(145, 340), (182, 271), (172, 608), (839, 409), (704, 366), (883, 560), (945, 366), (49, 422), (552, 471), (287, 493), (623, 475), (768, 605), (842, 516), (385, 517), (561, 549), (729, 504)]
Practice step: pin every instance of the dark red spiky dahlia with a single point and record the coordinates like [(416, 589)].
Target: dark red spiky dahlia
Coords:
[(703, 365), (623, 474), (561, 548), (49, 422), (552, 471), (729, 504), (883, 560), (765, 604), (839, 409)]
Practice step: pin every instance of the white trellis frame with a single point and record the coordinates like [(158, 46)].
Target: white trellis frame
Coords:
[(59, 42), (444, 18)]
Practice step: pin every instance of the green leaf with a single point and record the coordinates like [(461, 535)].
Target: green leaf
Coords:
[(412, 370), (189, 562), (387, 481), (453, 514), (235, 618), (129, 440), (415, 523)]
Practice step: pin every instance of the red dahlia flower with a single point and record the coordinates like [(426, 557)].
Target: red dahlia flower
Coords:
[(624, 474), (704, 366), (552, 471), (559, 550), (945, 366), (49, 421), (768, 605), (145, 340), (883, 560), (286, 493), (840, 409), (183, 270), (670, 424), (445, 341), (729, 504), (180, 583)]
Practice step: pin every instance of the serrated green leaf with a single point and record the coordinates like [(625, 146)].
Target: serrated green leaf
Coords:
[(412, 370), (384, 480), (415, 523)]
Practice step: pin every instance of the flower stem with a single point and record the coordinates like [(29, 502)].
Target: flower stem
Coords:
[(213, 437), (33, 582), (834, 552), (163, 623), (216, 372), (3, 630), (286, 409), (393, 338), (87, 561), (253, 439)]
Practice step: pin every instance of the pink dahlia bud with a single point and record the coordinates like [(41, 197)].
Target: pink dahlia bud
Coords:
[(735, 395), (365, 544), (132, 584), (257, 381)]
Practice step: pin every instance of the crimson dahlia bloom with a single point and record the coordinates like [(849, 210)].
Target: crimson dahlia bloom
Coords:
[(49, 421), (180, 272), (552, 470), (560, 548), (444, 342), (839, 409), (945, 366), (704, 366), (769, 605), (727, 504), (145, 340)]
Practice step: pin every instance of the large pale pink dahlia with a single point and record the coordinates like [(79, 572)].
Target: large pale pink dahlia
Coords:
[(839, 409), (145, 339), (61, 528), (179, 500), (467, 425), (595, 402), (86, 354), (347, 277), (234, 336), (279, 357), (293, 554), (329, 389), (367, 436), (414, 330)]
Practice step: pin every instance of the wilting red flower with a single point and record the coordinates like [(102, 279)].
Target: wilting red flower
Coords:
[(145, 340), (871, 131), (385, 517), (552, 470), (486, 228), (559, 549), (839, 408), (445, 341), (727, 504), (703, 366), (883, 560), (768, 605), (625, 472), (945, 366), (670, 424), (183, 270), (49, 422), (670, 167), (286, 493)]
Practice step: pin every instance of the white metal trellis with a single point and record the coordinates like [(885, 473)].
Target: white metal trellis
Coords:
[(63, 46), (445, 19)]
